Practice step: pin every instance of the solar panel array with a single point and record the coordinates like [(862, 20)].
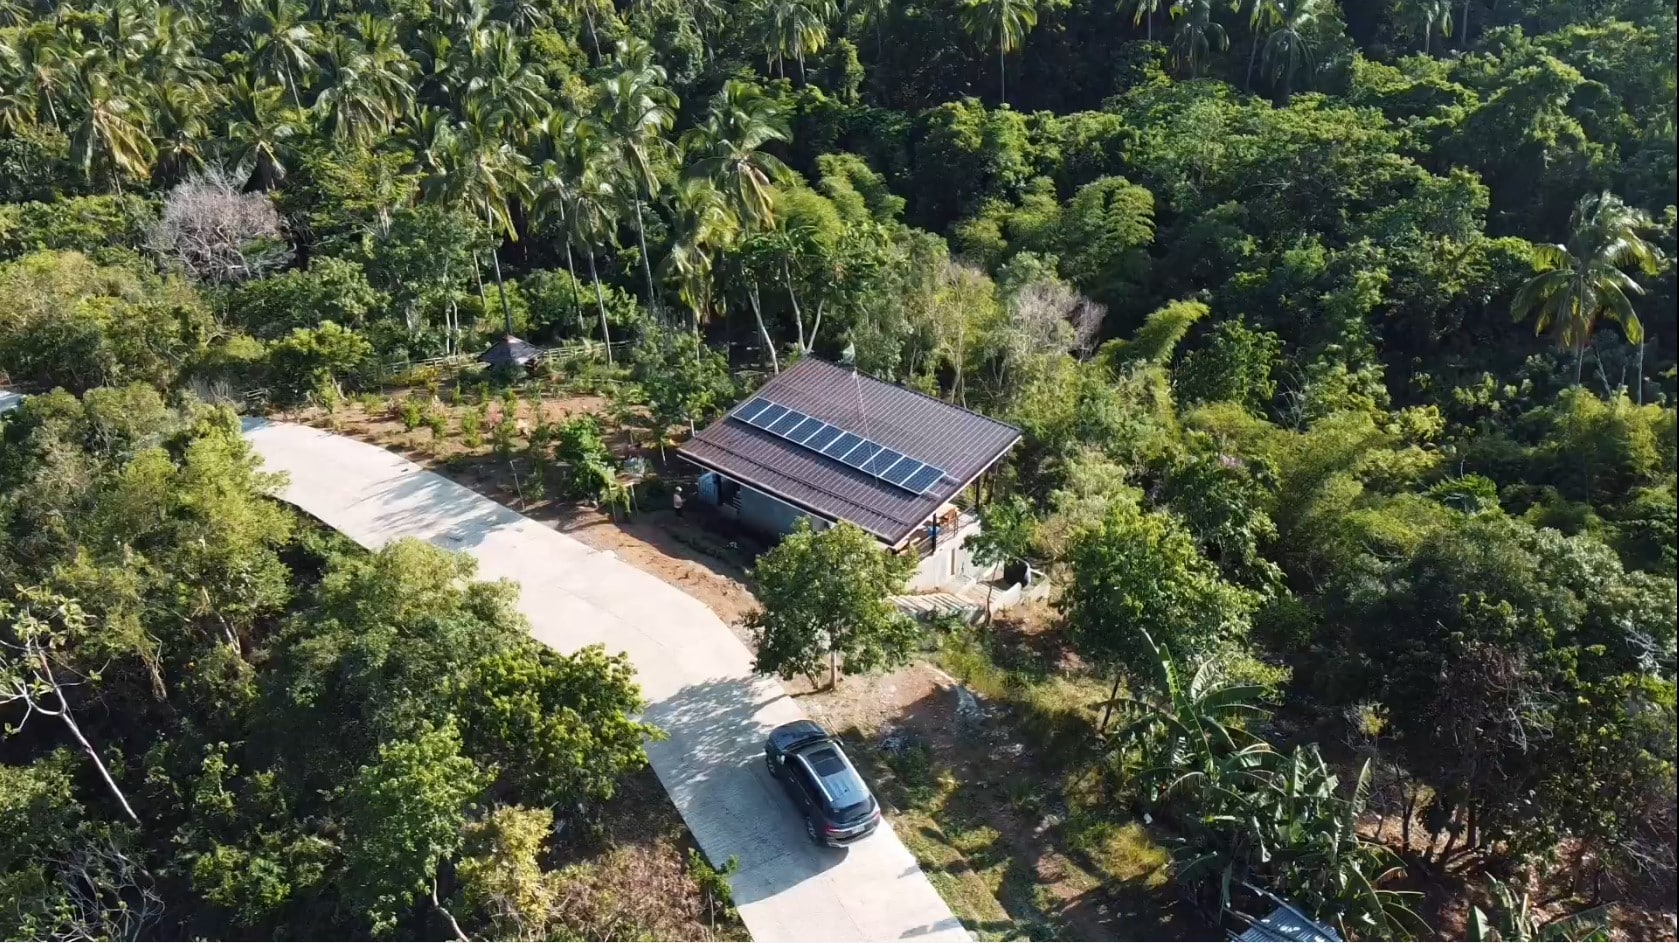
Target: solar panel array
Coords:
[(893, 467)]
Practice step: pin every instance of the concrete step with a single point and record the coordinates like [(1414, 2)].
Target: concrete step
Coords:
[(922, 605)]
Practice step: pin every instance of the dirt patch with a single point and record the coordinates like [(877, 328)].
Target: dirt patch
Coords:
[(972, 800)]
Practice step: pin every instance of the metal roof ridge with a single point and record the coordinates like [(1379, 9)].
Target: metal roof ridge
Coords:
[(901, 388)]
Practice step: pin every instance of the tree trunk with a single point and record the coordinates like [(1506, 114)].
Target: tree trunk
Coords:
[(763, 331), (793, 296), (1002, 72), (1253, 54), (594, 37), (1108, 709), (69, 719), (1639, 396), (1451, 840), (576, 300), (1463, 32), (453, 923), (1579, 361), (600, 303), (646, 267), (478, 279), (1405, 823), (823, 303), (501, 289), (1427, 31), (833, 669), (292, 84)]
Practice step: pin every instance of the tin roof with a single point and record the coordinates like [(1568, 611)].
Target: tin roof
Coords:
[(961, 442)]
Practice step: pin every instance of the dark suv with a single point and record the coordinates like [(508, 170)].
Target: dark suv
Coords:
[(837, 806)]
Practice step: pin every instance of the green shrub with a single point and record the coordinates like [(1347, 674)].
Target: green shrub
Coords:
[(471, 431), (412, 414)]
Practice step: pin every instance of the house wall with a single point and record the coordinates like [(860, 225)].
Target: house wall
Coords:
[(755, 509), (951, 564)]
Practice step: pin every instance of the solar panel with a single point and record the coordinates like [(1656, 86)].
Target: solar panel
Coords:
[(804, 430), (845, 443), (763, 419), (883, 460), (787, 421), (871, 458), (859, 456), (900, 472), (823, 437), (752, 408), (923, 479)]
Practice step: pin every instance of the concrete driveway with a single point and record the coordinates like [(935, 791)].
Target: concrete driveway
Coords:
[(696, 675)]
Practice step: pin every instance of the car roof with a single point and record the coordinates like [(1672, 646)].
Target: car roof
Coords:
[(839, 781), (788, 736)]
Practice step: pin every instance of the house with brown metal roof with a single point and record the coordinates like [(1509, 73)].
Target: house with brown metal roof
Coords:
[(826, 443)]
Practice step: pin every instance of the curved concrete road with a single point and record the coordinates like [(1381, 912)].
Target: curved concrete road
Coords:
[(696, 675)]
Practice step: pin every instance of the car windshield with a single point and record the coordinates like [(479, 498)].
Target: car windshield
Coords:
[(844, 788)]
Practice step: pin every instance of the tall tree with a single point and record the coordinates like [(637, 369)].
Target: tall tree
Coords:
[(259, 129), (479, 169), (1196, 36), (1142, 12), (280, 42), (1004, 22), (635, 111), (110, 137), (1288, 47), (1584, 280), (1433, 16), (825, 598)]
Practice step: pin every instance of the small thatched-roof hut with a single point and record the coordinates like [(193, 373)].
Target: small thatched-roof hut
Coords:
[(509, 352)]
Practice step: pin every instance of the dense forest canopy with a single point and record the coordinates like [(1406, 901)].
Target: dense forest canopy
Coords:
[(1342, 336)]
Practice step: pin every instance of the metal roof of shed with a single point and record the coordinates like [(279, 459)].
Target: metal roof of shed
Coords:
[(961, 442)]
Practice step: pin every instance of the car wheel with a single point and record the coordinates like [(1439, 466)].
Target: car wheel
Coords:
[(810, 831)]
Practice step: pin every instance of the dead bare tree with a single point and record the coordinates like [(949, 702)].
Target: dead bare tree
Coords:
[(1052, 314), (108, 895), (217, 233), (30, 644)]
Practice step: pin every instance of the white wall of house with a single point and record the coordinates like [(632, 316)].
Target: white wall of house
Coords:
[(951, 565)]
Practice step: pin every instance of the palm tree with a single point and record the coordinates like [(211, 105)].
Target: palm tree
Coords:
[(178, 112), (1263, 16), (728, 150), (1288, 47), (705, 223), (35, 67), (874, 14), (494, 81), (110, 135), (1197, 35), (366, 85), (484, 172), (1433, 15), (574, 199), (1143, 12), (1005, 22), (1583, 280), (280, 43), (793, 28), (635, 111), (259, 126)]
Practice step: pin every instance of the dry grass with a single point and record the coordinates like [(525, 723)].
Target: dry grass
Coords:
[(636, 880)]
